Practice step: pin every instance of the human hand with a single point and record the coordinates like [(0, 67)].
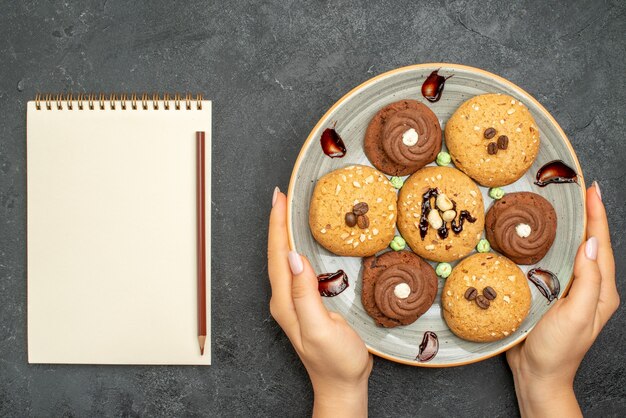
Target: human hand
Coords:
[(334, 356), (545, 364)]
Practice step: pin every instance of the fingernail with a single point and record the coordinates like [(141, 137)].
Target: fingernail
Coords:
[(295, 262), (591, 248), (597, 187), (275, 195)]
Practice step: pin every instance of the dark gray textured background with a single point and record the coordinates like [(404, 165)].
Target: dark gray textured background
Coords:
[(272, 69)]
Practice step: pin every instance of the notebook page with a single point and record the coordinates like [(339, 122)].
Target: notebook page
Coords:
[(112, 235)]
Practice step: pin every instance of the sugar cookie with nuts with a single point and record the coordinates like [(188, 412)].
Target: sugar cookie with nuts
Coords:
[(353, 211), (486, 298), (441, 213), (492, 138)]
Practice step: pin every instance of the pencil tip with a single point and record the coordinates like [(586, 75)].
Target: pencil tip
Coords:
[(201, 341)]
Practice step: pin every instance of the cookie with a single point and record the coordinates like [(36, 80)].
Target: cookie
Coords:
[(492, 138), (398, 288), (353, 211), (521, 226), (440, 213), (486, 298), (402, 138)]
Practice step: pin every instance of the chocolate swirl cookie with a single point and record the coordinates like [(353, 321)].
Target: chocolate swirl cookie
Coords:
[(521, 226), (398, 288), (402, 138)]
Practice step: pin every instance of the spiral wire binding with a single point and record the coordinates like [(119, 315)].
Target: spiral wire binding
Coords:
[(92, 101)]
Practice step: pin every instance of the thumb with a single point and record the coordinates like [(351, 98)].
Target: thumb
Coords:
[(585, 290), (512, 356), (306, 298)]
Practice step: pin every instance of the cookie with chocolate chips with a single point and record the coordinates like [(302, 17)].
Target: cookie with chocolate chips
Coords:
[(486, 298), (398, 288), (402, 138), (492, 138), (440, 213), (353, 211)]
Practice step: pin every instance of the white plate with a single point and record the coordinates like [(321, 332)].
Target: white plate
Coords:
[(352, 114)]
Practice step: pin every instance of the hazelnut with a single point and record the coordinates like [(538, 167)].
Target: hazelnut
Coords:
[(443, 202), (434, 219), (448, 215)]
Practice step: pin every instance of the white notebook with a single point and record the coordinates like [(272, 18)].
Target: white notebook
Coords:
[(112, 230)]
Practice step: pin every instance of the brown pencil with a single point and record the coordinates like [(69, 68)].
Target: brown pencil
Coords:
[(201, 240)]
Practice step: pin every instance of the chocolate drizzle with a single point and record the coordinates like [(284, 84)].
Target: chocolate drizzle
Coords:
[(464, 216), (457, 228), (426, 207), (555, 172)]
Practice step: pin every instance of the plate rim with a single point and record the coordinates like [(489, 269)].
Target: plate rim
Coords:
[(438, 65)]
